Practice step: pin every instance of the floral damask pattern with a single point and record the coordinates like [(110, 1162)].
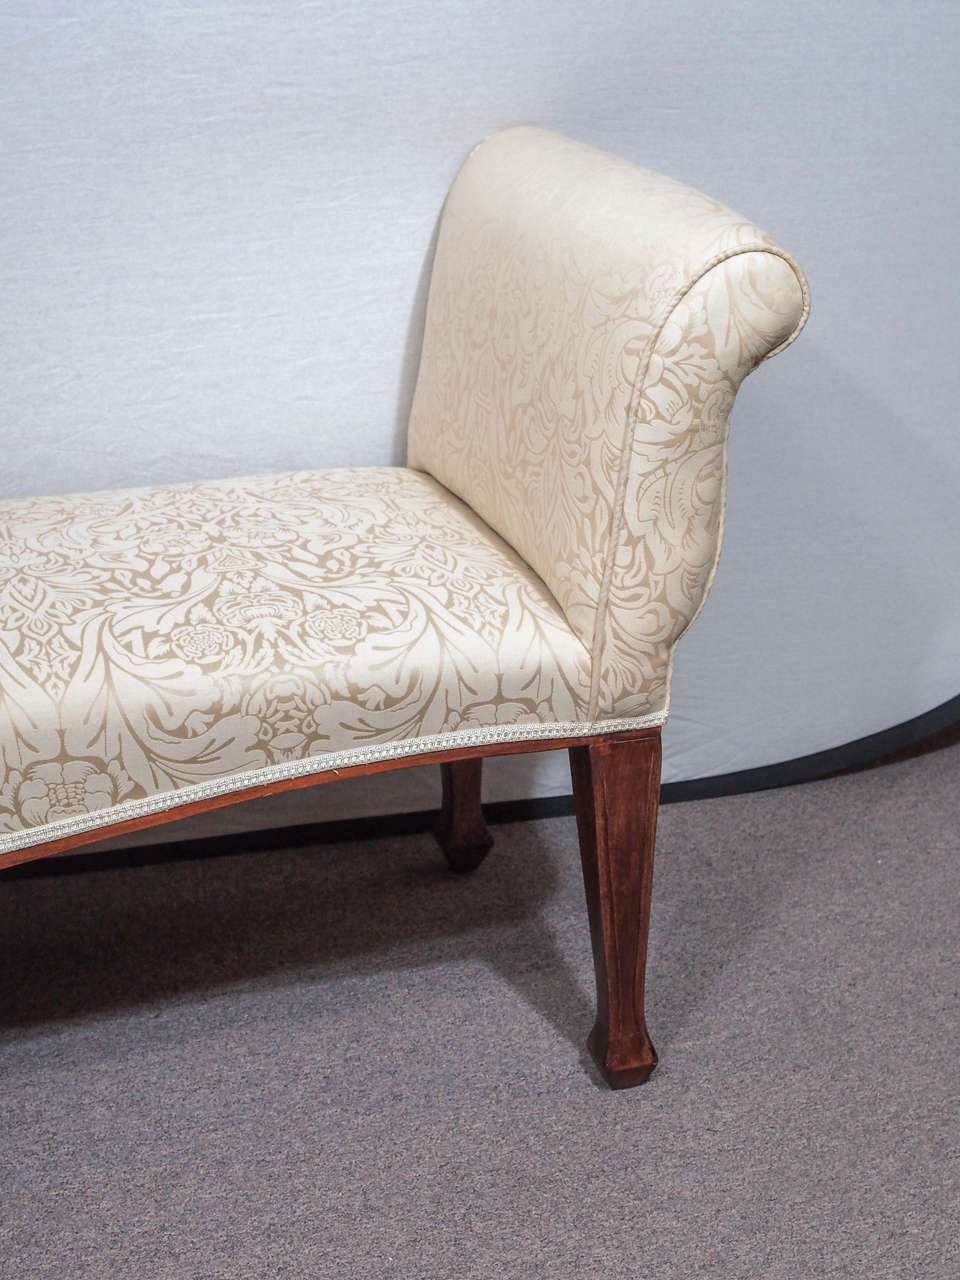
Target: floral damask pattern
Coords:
[(587, 327), (152, 639), (667, 541)]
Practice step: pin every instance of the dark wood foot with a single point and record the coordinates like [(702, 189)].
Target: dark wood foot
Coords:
[(616, 787), (461, 831)]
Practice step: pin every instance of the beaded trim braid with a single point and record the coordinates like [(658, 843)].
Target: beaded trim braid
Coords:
[(332, 762)]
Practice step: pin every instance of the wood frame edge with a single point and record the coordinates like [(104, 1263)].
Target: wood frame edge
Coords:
[(54, 848)]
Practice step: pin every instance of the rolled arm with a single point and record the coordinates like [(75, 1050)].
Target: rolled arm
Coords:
[(587, 328), (666, 540)]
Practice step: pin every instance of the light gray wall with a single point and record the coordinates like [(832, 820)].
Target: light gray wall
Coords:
[(214, 245)]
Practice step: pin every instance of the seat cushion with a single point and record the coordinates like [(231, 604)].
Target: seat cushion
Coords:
[(162, 645)]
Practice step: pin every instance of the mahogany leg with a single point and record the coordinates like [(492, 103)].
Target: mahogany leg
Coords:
[(616, 787), (460, 830)]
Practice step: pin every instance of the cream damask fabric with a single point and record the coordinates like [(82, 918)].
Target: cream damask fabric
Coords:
[(588, 325), (587, 328), (163, 644)]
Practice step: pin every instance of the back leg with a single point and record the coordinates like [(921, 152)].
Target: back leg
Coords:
[(460, 830)]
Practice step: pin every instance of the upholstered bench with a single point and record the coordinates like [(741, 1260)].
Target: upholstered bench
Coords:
[(520, 585)]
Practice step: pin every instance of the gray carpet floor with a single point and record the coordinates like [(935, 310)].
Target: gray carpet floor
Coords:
[(346, 1062)]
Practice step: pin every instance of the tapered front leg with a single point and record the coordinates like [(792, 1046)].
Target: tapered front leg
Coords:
[(461, 831), (616, 786)]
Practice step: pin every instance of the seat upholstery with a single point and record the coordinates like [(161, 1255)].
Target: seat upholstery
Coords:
[(526, 577), (213, 635)]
